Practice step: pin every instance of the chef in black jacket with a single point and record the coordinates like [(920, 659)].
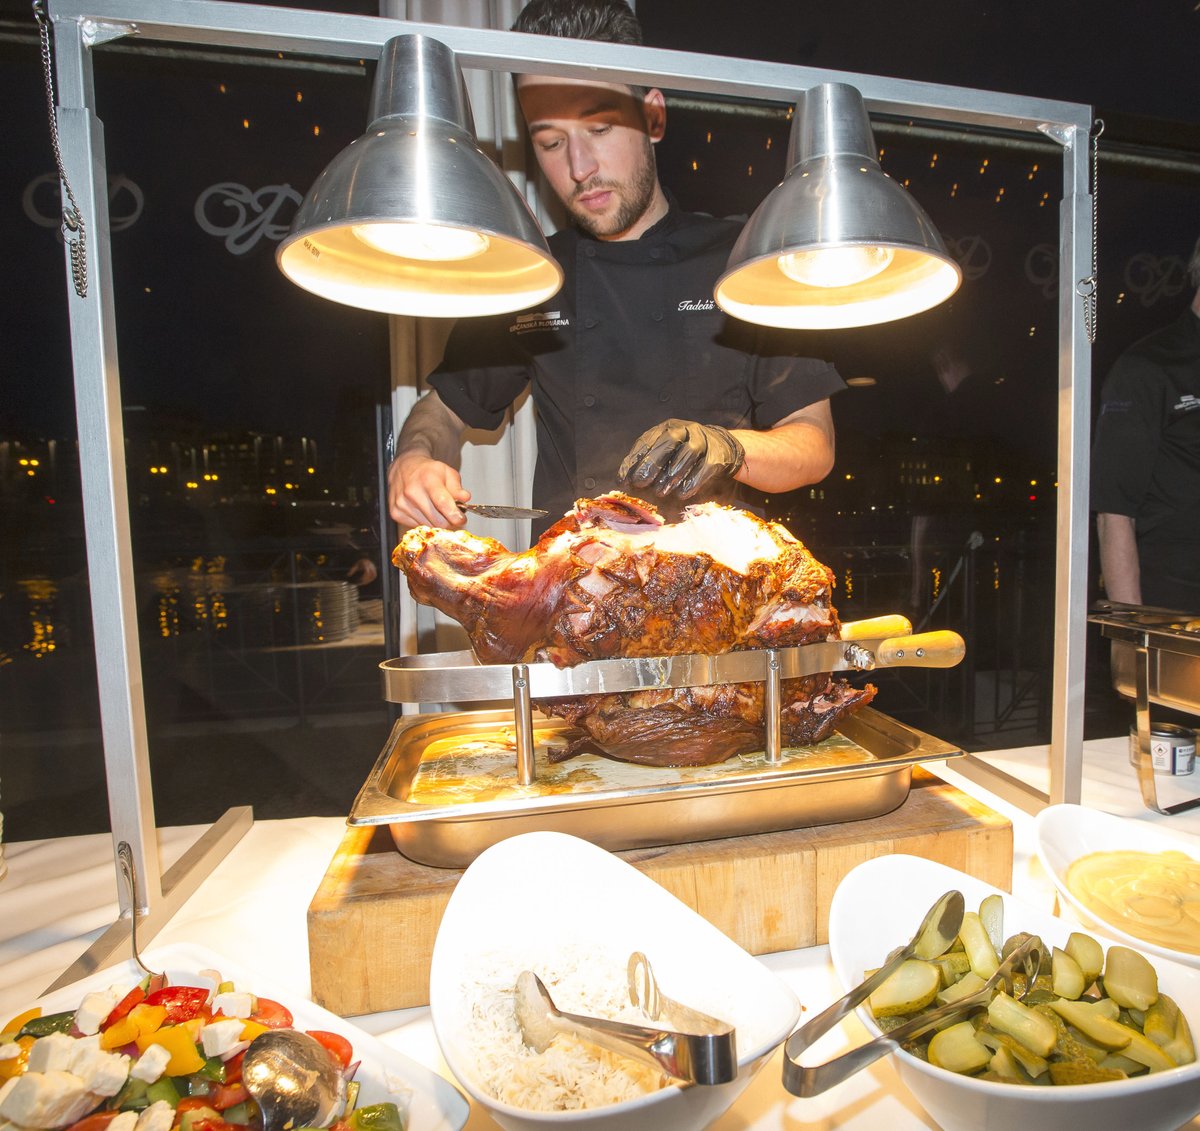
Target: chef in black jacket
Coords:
[(639, 380)]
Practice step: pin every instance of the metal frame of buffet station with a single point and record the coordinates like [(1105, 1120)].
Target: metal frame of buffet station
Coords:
[(80, 26)]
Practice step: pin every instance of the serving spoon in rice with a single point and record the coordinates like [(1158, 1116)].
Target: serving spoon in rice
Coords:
[(693, 1057)]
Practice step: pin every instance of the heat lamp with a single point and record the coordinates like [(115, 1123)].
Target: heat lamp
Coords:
[(838, 243), (413, 217)]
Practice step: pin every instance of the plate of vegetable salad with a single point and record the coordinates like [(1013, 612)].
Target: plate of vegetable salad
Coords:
[(124, 1051)]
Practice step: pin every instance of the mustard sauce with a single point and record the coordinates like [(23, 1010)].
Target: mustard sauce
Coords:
[(1154, 896)]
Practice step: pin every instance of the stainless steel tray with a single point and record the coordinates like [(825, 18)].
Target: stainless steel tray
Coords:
[(862, 771)]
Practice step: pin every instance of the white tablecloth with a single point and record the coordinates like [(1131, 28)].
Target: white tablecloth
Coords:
[(61, 894)]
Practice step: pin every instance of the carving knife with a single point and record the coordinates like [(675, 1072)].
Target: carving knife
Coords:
[(486, 510)]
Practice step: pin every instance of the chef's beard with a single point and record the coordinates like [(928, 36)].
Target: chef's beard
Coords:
[(635, 197)]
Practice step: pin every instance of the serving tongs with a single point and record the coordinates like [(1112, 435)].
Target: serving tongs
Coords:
[(942, 920), (703, 1050)]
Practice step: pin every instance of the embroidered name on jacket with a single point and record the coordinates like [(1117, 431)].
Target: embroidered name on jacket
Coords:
[(696, 304), (540, 320), (1187, 403)]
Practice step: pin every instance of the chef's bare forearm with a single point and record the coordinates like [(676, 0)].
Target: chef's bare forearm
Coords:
[(797, 451), (432, 429), (1118, 558)]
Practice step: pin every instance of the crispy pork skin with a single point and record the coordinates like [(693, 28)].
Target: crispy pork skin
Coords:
[(611, 578)]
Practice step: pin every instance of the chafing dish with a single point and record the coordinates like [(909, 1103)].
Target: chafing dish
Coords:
[(1155, 659)]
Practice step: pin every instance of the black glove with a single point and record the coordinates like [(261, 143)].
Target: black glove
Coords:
[(681, 457)]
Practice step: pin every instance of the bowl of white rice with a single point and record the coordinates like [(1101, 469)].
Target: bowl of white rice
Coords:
[(573, 914)]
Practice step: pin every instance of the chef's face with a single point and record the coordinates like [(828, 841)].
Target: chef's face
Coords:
[(595, 144)]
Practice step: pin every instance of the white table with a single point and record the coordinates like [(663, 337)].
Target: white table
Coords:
[(61, 894)]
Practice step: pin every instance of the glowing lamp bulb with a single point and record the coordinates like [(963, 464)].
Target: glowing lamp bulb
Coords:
[(835, 266), (431, 242)]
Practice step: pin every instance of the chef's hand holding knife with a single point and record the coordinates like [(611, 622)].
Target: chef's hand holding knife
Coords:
[(424, 489), (682, 458)]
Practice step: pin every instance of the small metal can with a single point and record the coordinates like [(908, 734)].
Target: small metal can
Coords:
[(1172, 748)]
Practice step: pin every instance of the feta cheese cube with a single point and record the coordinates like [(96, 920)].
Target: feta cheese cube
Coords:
[(47, 1099), (10, 1050), (94, 1008), (157, 1117), (234, 1004), (7, 1087), (101, 1072), (126, 1121), (219, 1036), (51, 1053), (151, 1064)]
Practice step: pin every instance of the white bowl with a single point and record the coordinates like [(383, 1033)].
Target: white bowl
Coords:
[(1067, 832), (880, 904), (542, 895)]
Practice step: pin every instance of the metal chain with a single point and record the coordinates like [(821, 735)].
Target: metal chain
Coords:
[(1086, 288), (74, 232)]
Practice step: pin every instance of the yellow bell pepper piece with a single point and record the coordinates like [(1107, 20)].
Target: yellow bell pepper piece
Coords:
[(180, 1042), (17, 1065), (123, 1032), (148, 1018), (16, 1024), (251, 1029)]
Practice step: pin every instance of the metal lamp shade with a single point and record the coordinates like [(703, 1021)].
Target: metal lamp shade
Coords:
[(838, 243), (460, 239)]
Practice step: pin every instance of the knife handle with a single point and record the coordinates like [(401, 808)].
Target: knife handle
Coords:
[(942, 649), (875, 628)]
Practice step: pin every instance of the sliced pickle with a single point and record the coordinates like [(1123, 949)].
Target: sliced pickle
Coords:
[(1024, 1024), (913, 986), (957, 1049), (1129, 979)]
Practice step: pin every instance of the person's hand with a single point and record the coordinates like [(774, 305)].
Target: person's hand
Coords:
[(362, 572), (425, 492), (681, 457)]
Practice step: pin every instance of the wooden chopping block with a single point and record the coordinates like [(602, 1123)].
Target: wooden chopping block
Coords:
[(374, 918)]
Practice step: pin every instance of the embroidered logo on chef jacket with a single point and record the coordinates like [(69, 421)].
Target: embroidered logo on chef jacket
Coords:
[(1187, 403), (696, 304), (539, 320)]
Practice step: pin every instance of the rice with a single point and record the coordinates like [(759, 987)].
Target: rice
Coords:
[(571, 1074)]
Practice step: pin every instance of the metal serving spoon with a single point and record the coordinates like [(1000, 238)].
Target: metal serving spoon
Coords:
[(294, 1079)]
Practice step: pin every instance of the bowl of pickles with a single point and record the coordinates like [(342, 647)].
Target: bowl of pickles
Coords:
[(1094, 1034)]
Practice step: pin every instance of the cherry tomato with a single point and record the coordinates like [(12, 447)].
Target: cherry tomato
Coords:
[(272, 1014), (225, 1096), (97, 1121), (233, 1067), (182, 1003), (215, 1125), (336, 1044), (191, 1103)]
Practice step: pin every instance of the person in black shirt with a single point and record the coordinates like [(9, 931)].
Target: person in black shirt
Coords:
[(1146, 466), (639, 380)]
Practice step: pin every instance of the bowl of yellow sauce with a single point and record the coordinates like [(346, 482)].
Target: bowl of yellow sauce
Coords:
[(1132, 879)]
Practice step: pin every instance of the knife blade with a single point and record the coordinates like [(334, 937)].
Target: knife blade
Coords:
[(486, 510)]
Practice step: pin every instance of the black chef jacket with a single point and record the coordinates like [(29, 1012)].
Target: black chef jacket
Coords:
[(1146, 458), (632, 338)]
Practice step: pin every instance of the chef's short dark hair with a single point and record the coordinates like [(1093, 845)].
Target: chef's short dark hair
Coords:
[(1194, 266), (610, 21)]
